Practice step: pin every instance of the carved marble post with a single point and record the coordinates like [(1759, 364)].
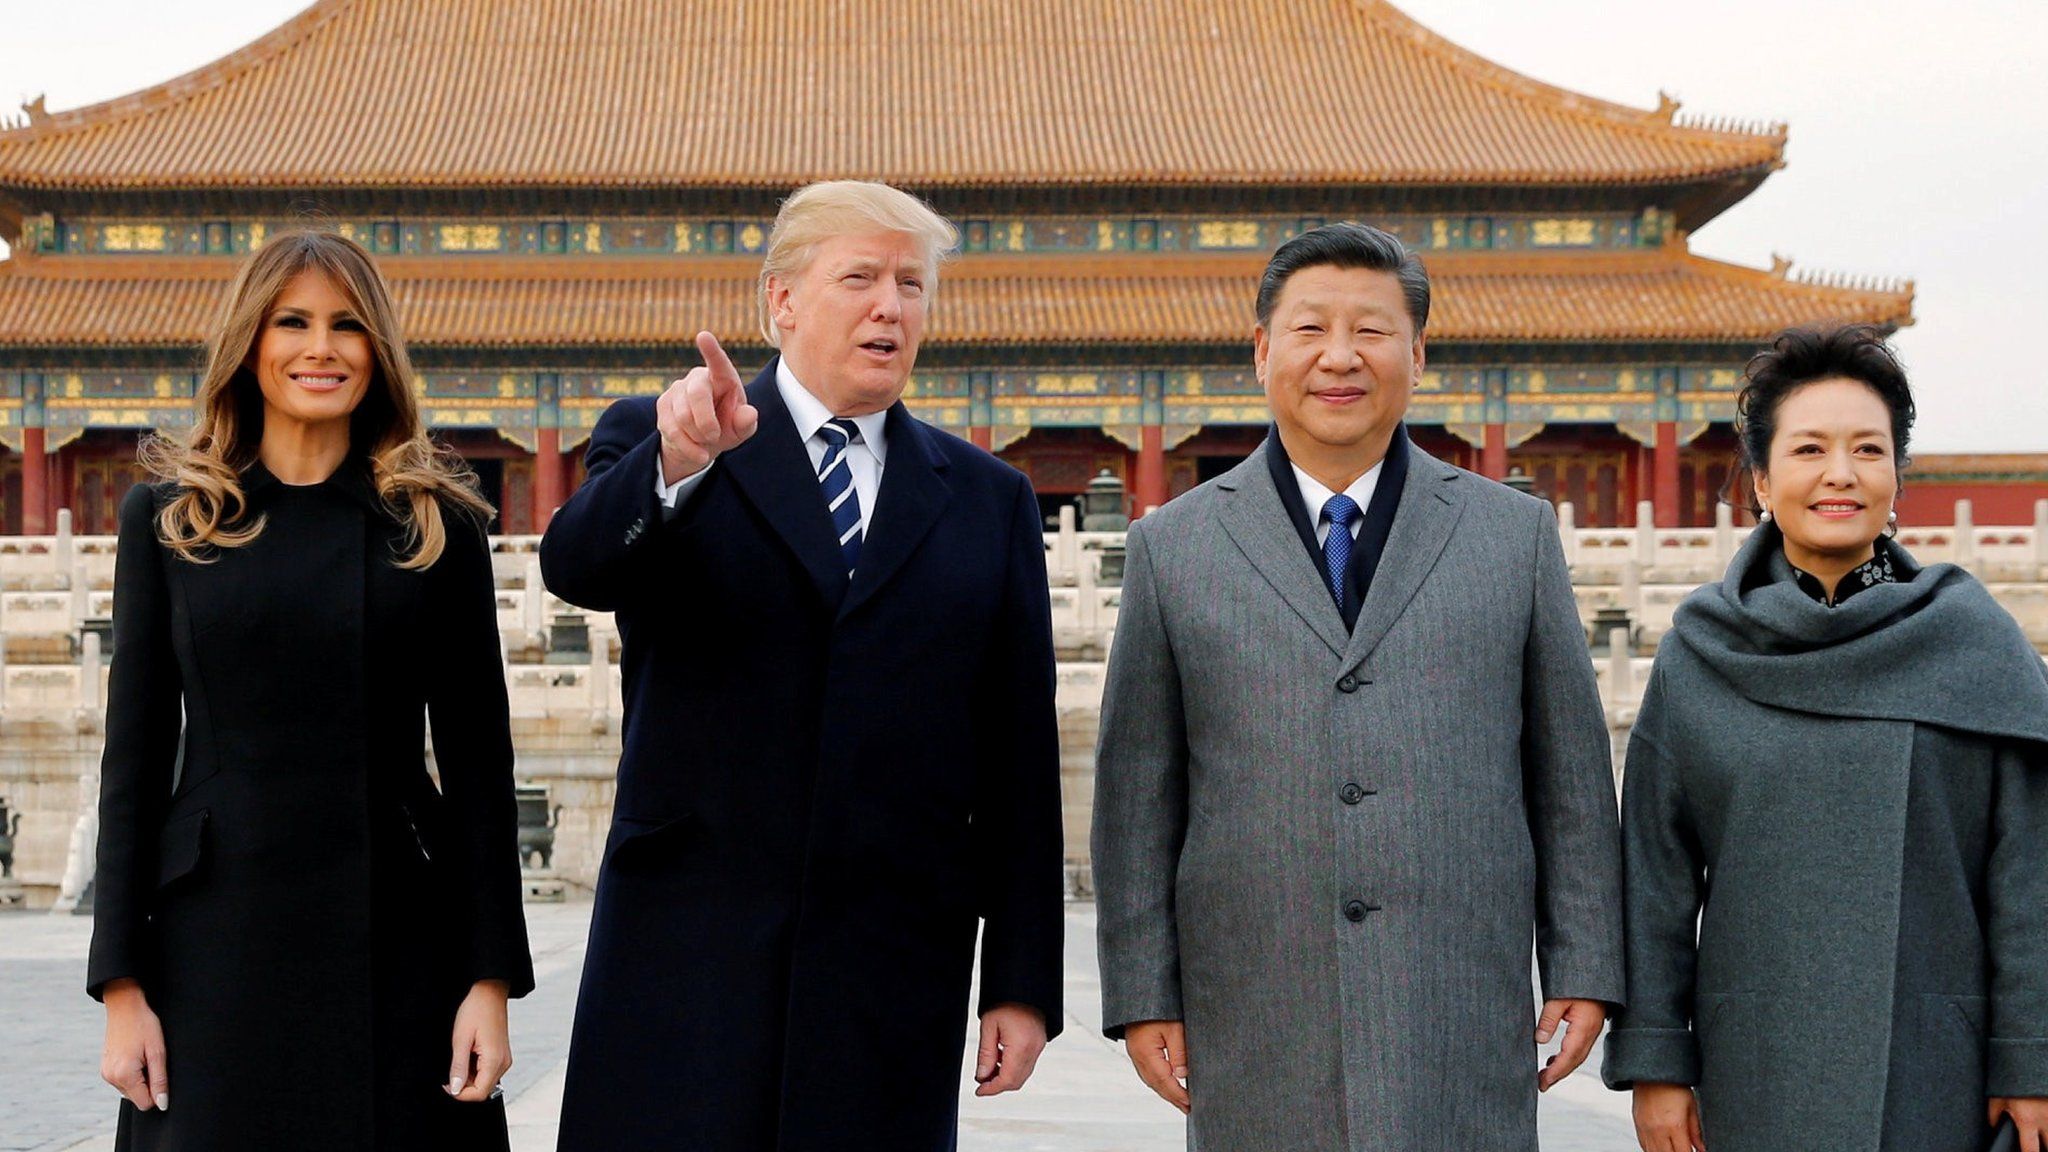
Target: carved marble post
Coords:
[(531, 608), (1966, 535), (80, 856), (1621, 667), (600, 687), (1065, 546), (1646, 534)]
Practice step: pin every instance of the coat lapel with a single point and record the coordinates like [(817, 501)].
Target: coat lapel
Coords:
[(912, 495), (1258, 523), (1432, 501), (774, 473)]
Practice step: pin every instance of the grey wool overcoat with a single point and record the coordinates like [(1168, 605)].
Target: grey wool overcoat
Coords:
[(1836, 833), (1329, 853)]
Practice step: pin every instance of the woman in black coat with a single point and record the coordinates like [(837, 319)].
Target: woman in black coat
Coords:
[(1834, 813), (294, 924)]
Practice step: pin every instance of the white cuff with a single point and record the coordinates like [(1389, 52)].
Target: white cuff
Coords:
[(673, 495)]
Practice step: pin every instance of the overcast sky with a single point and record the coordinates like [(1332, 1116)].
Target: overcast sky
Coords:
[(1919, 142)]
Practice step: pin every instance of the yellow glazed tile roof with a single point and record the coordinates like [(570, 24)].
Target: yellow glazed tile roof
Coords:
[(927, 93)]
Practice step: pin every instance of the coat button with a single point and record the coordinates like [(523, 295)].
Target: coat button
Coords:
[(1354, 911), (1348, 684), (1351, 793)]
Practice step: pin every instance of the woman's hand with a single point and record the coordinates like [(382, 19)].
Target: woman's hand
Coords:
[(482, 1043), (133, 1060), (1668, 1119), (2029, 1114)]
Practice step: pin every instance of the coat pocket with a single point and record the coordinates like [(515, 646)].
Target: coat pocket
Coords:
[(640, 841), (181, 847)]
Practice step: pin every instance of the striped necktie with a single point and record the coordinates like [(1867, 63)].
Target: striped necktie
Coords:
[(835, 478), (1340, 510)]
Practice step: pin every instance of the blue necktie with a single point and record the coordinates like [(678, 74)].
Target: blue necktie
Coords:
[(835, 477), (1340, 510)]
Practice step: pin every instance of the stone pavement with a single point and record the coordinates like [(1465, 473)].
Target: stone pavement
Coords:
[(1083, 1098)]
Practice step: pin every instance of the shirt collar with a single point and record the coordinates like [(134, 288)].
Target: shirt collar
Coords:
[(810, 413), (1314, 495), (1872, 572)]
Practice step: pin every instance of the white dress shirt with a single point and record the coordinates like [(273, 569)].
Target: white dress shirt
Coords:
[(865, 456), (1314, 496)]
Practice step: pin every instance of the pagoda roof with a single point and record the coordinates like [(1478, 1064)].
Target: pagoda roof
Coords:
[(1663, 295), (930, 94)]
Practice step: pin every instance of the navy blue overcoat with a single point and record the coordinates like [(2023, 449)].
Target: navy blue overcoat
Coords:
[(826, 783)]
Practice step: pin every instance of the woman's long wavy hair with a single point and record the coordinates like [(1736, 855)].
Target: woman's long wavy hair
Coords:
[(412, 474)]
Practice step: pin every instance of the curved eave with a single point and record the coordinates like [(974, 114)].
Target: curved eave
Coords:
[(1659, 296)]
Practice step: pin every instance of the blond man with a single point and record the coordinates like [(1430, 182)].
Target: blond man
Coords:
[(840, 755)]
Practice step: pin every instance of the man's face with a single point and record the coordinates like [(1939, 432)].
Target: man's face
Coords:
[(1340, 357), (851, 318)]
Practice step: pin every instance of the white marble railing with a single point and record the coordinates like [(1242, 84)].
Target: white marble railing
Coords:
[(50, 586), (1599, 555)]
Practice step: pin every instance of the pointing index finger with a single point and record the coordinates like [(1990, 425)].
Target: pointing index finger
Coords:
[(723, 374)]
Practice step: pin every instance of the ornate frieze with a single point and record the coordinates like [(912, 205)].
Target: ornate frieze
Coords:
[(518, 401), (669, 236)]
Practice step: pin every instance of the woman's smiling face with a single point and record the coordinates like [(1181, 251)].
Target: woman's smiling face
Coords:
[(1833, 472), (313, 358)]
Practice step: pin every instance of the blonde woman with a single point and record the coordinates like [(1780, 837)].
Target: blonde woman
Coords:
[(301, 940)]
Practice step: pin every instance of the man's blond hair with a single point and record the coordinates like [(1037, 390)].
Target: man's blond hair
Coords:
[(818, 212)]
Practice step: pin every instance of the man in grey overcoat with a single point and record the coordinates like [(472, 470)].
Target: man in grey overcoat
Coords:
[(1352, 762)]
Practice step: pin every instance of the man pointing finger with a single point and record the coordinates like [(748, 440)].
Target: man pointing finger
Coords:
[(828, 784)]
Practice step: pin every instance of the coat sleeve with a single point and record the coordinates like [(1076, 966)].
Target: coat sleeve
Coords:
[(1568, 779), (586, 555), (1017, 815), (1141, 799), (2017, 889), (144, 718), (472, 730), (1665, 878)]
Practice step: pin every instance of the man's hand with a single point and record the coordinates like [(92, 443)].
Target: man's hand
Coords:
[(133, 1059), (481, 1048), (1668, 1119), (2029, 1114), (1012, 1036), (703, 414), (1159, 1051), (1582, 1020)]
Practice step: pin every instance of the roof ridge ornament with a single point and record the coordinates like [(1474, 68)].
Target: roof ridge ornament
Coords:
[(1781, 266), (1667, 106), (33, 115)]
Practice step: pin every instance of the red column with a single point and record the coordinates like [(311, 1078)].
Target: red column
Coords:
[(1149, 487), (981, 436), (1664, 484), (63, 484), (1493, 456), (548, 480), (35, 483)]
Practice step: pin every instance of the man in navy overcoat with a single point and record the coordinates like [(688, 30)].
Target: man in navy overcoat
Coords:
[(840, 753)]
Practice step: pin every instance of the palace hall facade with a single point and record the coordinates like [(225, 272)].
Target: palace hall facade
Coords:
[(562, 192)]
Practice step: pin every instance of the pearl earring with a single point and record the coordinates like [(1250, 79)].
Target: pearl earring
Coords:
[(1764, 517)]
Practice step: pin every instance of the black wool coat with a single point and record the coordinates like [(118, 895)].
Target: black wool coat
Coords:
[(825, 784), (303, 907)]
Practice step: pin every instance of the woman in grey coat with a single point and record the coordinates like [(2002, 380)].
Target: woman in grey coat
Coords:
[(1835, 814)]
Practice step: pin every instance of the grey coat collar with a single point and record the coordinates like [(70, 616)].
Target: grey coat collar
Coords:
[(1932, 648), (1432, 500)]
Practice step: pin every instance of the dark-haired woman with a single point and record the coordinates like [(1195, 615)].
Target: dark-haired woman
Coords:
[(1836, 814), (301, 940)]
